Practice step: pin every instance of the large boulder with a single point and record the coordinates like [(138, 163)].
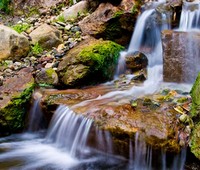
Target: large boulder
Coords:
[(156, 117), (12, 44), (15, 94), (111, 22), (75, 10), (181, 51), (92, 61), (47, 36)]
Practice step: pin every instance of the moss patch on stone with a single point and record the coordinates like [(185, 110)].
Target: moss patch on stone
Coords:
[(13, 114), (101, 56), (91, 62), (195, 141), (195, 109)]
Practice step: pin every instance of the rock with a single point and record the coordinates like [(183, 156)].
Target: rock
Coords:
[(195, 109), (110, 22), (75, 10), (29, 6), (15, 94), (136, 61), (125, 117), (139, 78), (47, 36), (93, 4), (181, 51), (90, 62), (47, 76), (195, 141), (12, 44)]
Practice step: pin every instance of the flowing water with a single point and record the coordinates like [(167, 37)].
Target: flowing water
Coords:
[(73, 143), (190, 16), (66, 146)]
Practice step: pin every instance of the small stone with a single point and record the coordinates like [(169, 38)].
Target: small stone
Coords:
[(49, 65), (75, 29), (33, 58), (65, 37), (183, 118), (60, 48)]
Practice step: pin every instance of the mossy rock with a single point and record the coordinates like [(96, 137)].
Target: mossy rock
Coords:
[(15, 95), (195, 109), (47, 76), (195, 141), (91, 62)]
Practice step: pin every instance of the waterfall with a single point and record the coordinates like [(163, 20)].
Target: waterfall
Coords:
[(147, 35), (141, 157), (68, 130), (190, 16), (139, 30), (36, 121)]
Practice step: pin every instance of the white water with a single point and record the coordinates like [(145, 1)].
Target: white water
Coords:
[(190, 16), (142, 38), (65, 145), (68, 130), (35, 117)]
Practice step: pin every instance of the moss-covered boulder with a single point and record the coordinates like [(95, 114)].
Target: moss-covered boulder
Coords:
[(195, 93), (47, 76), (195, 141), (91, 62), (15, 94), (195, 112)]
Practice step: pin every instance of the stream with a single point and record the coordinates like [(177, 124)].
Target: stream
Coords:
[(71, 141)]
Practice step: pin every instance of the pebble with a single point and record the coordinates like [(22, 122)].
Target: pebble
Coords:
[(49, 65)]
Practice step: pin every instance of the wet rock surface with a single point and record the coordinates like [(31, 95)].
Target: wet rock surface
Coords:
[(136, 61), (156, 117), (15, 95), (178, 65)]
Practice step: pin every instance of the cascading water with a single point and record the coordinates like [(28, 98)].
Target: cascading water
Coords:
[(68, 130), (190, 16), (65, 145), (147, 35)]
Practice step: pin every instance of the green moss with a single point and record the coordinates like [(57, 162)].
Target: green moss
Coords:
[(36, 49), (61, 18), (13, 114), (101, 56), (5, 6), (49, 72), (195, 109), (195, 141), (31, 11), (118, 14), (20, 27)]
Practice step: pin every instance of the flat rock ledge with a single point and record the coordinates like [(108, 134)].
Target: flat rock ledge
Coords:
[(157, 118)]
